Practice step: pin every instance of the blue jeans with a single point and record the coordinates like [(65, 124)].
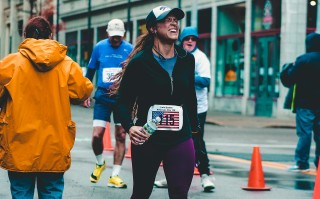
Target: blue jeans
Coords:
[(307, 120), (49, 185)]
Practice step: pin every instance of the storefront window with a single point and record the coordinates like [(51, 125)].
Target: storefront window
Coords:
[(141, 27), (204, 30), (86, 46), (229, 67), (71, 42), (229, 80), (101, 33), (312, 15), (266, 15)]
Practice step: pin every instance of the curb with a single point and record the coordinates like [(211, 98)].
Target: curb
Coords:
[(279, 126)]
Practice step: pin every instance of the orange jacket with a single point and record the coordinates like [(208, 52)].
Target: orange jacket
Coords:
[(37, 85)]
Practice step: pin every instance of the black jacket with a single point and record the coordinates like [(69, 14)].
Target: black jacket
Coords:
[(147, 82), (305, 73)]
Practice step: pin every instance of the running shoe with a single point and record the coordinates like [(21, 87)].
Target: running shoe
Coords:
[(96, 174), (207, 182), (116, 182), (296, 168), (161, 183)]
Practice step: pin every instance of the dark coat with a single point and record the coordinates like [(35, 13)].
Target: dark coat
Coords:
[(147, 82), (305, 74)]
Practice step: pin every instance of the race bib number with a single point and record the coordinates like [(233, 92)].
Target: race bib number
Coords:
[(108, 73), (171, 117)]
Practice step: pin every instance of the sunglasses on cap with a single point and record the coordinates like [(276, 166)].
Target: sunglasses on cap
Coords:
[(190, 38)]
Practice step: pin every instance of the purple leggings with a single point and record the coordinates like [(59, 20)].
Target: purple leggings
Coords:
[(178, 165)]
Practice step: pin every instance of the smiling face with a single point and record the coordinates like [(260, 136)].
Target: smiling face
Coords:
[(168, 28), (115, 41), (189, 43)]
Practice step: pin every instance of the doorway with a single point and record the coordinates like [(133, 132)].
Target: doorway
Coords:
[(267, 74)]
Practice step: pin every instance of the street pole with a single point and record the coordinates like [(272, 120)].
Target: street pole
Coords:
[(57, 20), (179, 3), (128, 20), (89, 14)]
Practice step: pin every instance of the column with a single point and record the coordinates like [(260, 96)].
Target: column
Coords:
[(293, 34)]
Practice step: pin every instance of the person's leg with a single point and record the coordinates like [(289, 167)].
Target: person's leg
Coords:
[(21, 184), (316, 137), (178, 164), (304, 126), (119, 152), (202, 155), (50, 185), (146, 160), (120, 136), (101, 116)]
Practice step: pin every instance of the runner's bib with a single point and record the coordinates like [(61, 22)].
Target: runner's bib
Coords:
[(171, 117), (107, 73)]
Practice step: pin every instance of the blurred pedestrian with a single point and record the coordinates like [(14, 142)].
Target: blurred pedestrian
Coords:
[(106, 58), (37, 133), (303, 74), (189, 37), (158, 80), (289, 97)]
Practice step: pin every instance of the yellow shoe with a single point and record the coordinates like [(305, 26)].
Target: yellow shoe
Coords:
[(116, 182), (96, 174)]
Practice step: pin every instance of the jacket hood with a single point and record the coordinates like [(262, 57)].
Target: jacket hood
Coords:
[(44, 54), (313, 42)]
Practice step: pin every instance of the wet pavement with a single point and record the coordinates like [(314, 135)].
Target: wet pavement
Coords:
[(230, 151)]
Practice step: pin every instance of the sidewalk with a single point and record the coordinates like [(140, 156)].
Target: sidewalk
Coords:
[(238, 120)]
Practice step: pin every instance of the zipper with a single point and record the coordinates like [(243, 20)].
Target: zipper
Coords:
[(171, 81)]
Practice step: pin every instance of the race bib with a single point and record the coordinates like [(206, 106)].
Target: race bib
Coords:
[(108, 73), (171, 117)]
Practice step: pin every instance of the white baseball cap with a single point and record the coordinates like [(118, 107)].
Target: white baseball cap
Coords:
[(116, 28)]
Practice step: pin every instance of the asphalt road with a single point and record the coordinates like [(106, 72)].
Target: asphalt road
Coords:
[(230, 151)]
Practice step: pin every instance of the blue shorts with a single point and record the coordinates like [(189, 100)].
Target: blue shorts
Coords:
[(104, 106)]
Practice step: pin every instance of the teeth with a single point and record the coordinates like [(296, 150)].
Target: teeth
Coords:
[(173, 30)]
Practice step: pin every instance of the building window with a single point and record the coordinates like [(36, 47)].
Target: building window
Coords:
[(141, 27), (266, 15), (230, 51), (312, 14), (71, 42), (86, 46), (101, 33), (229, 67)]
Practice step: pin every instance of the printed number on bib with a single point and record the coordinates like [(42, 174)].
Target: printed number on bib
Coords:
[(171, 117), (108, 73)]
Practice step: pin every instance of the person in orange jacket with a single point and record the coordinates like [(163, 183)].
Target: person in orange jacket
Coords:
[(37, 85)]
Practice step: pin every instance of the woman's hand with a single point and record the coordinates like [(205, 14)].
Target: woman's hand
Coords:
[(138, 135)]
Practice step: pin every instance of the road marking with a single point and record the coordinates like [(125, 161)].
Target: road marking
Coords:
[(274, 165), (282, 146)]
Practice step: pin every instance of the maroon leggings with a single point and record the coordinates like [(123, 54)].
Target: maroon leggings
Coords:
[(178, 164)]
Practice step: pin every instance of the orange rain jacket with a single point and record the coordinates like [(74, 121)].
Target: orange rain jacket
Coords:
[(37, 85)]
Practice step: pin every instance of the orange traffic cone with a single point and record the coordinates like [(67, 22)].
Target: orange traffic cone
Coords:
[(196, 171), (128, 154), (316, 192), (256, 176), (107, 144)]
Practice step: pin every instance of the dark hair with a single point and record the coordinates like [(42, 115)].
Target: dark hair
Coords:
[(142, 41), (38, 28)]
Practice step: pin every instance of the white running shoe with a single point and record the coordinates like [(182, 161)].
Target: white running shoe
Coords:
[(207, 182), (161, 183)]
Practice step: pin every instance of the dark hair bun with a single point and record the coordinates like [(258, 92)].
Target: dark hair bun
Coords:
[(38, 28)]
